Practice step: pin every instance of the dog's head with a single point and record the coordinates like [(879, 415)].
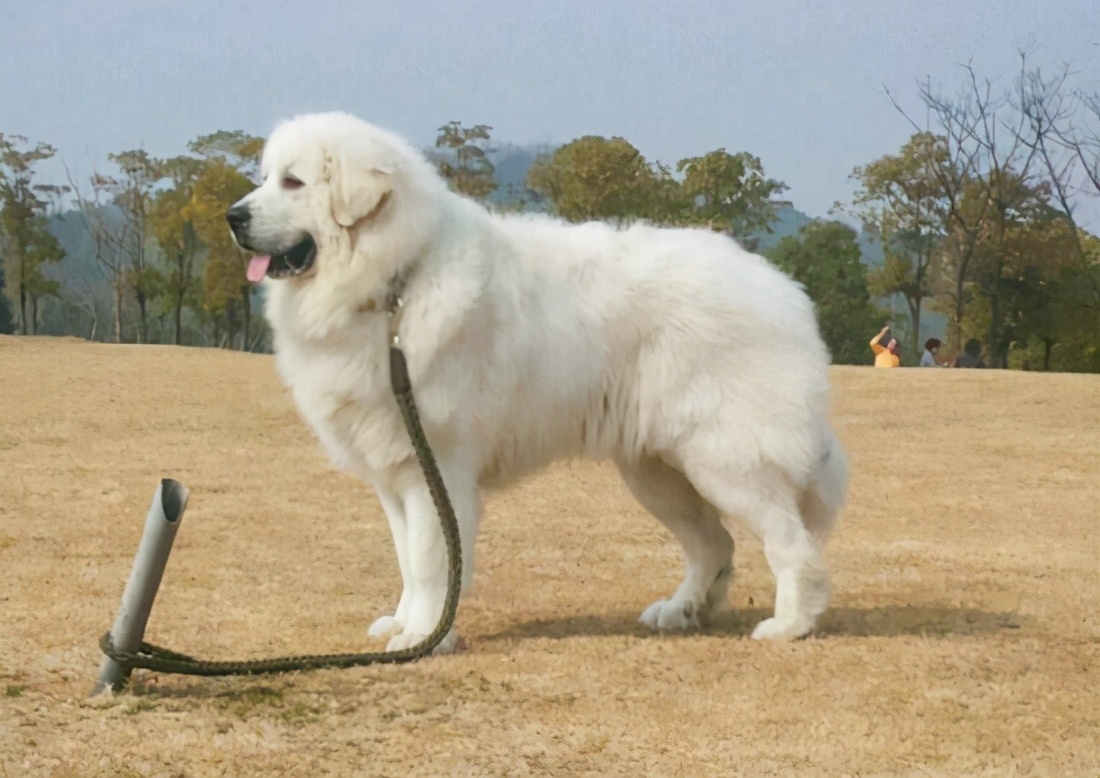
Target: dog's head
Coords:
[(328, 179)]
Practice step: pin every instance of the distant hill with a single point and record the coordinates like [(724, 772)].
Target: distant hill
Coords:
[(790, 220)]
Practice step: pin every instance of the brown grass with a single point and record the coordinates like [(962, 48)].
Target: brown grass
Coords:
[(963, 638)]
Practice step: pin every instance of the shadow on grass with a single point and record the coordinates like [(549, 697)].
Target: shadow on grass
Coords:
[(886, 621), (245, 696)]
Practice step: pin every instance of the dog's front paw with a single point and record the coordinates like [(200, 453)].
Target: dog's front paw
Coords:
[(385, 627), (774, 629), (671, 615), (409, 639)]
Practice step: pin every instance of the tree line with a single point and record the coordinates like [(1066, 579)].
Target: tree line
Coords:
[(156, 257), (976, 216)]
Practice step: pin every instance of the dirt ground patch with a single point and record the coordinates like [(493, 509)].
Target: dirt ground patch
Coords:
[(963, 639)]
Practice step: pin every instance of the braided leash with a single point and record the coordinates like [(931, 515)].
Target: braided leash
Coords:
[(163, 660)]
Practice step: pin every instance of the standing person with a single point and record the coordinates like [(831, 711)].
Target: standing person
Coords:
[(931, 348), (972, 355), (885, 356)]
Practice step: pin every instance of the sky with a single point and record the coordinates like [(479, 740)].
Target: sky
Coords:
[(802, 85)]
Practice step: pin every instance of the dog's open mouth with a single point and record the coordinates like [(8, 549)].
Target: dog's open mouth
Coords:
[(294, 262)]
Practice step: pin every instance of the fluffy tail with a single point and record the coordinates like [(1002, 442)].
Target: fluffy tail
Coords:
[(824, 498)]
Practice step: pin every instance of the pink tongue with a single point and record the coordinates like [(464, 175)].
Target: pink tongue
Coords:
[(257, 268)]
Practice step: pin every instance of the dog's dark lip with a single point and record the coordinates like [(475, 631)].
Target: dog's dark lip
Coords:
[(297, 260)]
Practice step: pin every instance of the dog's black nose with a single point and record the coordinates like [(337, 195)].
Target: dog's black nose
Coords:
[(238, 216)]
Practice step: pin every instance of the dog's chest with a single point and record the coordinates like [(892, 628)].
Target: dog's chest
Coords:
[(344, 396)]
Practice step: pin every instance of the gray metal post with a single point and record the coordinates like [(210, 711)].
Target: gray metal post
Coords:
[(161, 525)]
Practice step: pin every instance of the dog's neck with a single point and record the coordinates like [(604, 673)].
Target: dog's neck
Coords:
[(393, 298), (395, 301)]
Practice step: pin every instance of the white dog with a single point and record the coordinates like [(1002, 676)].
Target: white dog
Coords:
[(696, 366)]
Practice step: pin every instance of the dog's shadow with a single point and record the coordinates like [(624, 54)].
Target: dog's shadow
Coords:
[(885, 621)]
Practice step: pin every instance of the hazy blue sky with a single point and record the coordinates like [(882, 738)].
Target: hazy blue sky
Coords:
[(800, 84)]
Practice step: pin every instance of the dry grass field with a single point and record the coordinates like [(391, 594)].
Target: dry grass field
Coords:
[(964, 637)]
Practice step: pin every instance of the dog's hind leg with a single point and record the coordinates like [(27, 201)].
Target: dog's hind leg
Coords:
[(770, 505), (708, 547)]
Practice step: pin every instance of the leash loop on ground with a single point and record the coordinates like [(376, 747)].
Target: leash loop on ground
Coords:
[(163, 660)]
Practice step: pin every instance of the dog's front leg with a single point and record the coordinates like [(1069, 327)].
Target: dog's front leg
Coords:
[(426, 568), (392, 504)]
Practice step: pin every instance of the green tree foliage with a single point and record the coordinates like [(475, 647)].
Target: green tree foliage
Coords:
[(1026, 285), (234, 147), (25, 240), (1009, 167), (201, 268), (902, 203), (225, 292), (1060, 127), (825, 258), (464, 163), (729, 192), (596, 178), (1020, 247), (233, 162), (175, 234), (1076, 345)]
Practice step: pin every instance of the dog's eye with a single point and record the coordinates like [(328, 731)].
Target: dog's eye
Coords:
[(290, 182)]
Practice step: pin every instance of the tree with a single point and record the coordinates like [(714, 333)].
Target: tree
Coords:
[(1062, 128), (25, 240), (134, 194), (959, 175), (42, 251), (465, 165), (902, 203), (1019, 247), (225, 289), (117, 216), (1030, 274), (175, 233), (7, 323), (595, 178), (235, 147), (729, 192), (825, 258), (232, 160), (105, 225)]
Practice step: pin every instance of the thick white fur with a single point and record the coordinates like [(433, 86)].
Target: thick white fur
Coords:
[(693, 364)]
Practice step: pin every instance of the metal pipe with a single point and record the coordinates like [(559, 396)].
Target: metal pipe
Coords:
[(161, 525)]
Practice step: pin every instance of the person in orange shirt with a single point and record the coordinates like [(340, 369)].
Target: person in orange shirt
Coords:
[(885, 356)]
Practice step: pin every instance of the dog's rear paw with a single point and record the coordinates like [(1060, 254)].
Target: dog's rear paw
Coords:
[(385, 627), (671, 615), (409, 639), (773, 629)]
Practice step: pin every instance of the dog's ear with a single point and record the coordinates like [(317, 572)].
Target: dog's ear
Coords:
[(359, 179)]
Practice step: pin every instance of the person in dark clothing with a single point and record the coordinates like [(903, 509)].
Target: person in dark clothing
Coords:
[(972, 355)]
